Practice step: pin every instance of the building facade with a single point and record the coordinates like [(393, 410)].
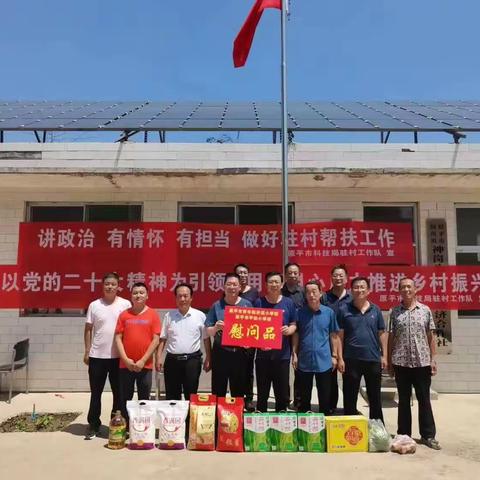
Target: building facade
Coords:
[(235, 183)]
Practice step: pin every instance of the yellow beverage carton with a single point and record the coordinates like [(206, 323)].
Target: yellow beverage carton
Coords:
[(347, 434)]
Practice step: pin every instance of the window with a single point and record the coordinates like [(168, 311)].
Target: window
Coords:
[(468, 242), (48, 213), (400, 213), (78, 213), (207, 214), (85, 213), (244, 214)]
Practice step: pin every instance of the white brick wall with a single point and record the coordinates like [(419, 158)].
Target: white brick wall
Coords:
[(57, 343)]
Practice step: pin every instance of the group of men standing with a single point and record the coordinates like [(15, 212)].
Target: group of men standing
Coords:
[(323, 333)]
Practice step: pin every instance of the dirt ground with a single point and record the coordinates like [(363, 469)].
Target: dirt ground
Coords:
[(60, 454)]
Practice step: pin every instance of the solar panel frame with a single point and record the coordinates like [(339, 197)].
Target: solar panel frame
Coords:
[(76, 115)]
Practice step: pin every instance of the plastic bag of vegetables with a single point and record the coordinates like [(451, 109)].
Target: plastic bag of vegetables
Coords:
[(378, 437)]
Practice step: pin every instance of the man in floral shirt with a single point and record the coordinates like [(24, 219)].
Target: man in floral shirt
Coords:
[(411, 348)]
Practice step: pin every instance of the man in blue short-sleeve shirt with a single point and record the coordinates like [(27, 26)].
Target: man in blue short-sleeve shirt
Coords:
[(273, 366), (362, 332), (315, 345), (335, 298), (229, 364)]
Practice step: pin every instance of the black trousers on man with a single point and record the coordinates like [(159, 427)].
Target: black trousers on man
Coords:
[(420, 378), (98, 371), (333, 391), (372, 372), (128, 379), (229, 369), (274, 372), (305, 384), (182, 374), (296, 390), (249, 375)]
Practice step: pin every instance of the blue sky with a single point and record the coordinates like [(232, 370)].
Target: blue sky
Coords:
[(178, 50)]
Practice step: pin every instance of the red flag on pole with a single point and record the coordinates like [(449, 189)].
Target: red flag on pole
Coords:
[(243, 42)]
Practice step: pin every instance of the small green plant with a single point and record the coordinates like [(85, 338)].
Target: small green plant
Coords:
[(21, 424), (43, 421)]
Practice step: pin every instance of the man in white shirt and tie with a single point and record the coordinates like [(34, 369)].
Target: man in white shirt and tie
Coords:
[(182, 333)]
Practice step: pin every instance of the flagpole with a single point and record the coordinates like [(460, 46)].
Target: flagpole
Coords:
[(284, 133)]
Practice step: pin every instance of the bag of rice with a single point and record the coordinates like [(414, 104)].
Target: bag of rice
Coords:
[(230, 424), (142, 425), (171, 415), (202, 422)]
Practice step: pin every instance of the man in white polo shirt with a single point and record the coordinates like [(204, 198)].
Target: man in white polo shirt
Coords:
[(181, 337), (101, 354)]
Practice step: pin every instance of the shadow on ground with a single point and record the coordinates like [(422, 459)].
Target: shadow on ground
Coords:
[(79, 429)]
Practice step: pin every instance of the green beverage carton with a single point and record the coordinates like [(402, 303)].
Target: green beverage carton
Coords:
[(255, 432), (282, 432), (311, 432)]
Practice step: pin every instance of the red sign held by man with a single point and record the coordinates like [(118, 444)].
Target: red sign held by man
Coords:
[(252, 327)]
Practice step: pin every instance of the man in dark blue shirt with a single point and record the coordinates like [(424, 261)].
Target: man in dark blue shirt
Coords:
[(292, 288), (362, 331), (273, 366), (334, 298), (251, 294), (229, 364), (315, 345)]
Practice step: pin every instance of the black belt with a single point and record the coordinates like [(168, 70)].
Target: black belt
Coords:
[(219, 348), (184, 356)]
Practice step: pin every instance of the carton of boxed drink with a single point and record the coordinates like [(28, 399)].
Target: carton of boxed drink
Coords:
[(255, 432), (347, 434), (311, 432), (282, 432)]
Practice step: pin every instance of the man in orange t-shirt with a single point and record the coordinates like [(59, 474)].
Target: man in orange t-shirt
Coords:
[(137, 336)]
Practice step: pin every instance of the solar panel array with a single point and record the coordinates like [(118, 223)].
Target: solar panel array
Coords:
[(239, 116)]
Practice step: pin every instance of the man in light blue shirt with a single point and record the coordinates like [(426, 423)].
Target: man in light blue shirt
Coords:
[(315, 348)]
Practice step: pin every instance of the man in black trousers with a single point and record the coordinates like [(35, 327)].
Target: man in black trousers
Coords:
[(335, 298), (411, 348), (362, 332), (183, 332)]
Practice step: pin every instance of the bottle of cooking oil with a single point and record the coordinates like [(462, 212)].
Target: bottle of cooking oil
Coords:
[(117, 432)]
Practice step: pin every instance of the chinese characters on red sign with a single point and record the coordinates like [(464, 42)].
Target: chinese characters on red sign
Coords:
[(443, 287), (252, 327), (310, 243)]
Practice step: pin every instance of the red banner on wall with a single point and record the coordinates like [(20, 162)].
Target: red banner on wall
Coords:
[(443, 288), (61, 264), (252, 327), (191, 244)]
